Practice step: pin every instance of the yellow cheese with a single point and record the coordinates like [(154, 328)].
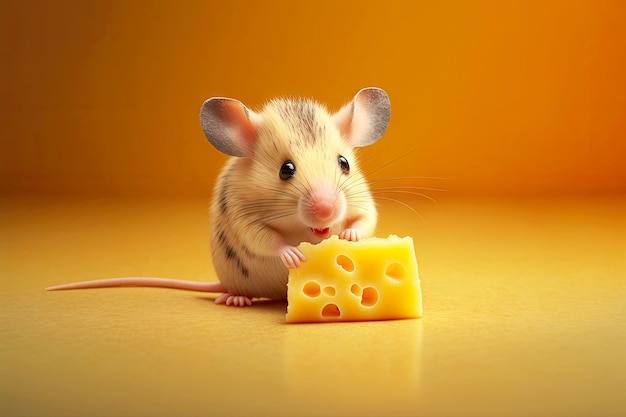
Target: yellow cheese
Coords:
[(373, 279)]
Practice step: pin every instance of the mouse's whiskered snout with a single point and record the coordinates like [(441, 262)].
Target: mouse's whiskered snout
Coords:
[(322, 205)]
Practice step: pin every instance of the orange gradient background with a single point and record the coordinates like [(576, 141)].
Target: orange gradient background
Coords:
[(515, 97), (520, 106)]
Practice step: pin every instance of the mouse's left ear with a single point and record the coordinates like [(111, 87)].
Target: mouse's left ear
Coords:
[(229, 125), (365, 119)]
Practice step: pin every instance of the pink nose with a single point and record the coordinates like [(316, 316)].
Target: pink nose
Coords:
[(323, 209)]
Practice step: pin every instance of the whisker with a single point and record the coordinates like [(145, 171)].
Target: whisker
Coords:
[(408, 187), (406, 192), (298, 189), (352, 181), (360, 207), (413, 177), (272, 217), (361, 161), (402, 203), (368, 173)]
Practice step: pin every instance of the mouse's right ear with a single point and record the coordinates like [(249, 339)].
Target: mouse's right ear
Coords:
[(365, 119), (229, 125)]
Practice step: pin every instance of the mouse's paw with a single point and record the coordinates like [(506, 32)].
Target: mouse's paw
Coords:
[(352, 235), (292, 257), (233, 300)]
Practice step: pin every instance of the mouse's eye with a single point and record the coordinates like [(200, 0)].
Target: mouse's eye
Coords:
[(288, 170), (343, 164)]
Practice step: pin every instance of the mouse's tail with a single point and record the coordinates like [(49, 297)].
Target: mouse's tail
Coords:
[(143, 282)]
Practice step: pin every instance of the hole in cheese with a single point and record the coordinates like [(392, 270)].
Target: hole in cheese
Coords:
[(331, 310), (395, 271), (330, 291), (346, 263), (356, 290), (311, 288), (369, 297)]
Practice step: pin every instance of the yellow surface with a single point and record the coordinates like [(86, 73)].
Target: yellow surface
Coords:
[(524, 314), (373, 279)]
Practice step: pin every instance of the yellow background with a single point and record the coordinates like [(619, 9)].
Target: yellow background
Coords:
[(104, 172), (512, 97)]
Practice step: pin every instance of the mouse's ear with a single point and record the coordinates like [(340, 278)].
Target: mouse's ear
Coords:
[(229, 125), (364, 120)]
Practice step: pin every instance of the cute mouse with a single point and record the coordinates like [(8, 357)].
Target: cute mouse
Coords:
[(293, 177)]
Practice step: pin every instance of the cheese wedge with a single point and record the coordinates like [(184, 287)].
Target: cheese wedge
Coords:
[(373, 279)]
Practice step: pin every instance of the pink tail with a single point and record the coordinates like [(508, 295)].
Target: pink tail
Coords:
[(143, 282)]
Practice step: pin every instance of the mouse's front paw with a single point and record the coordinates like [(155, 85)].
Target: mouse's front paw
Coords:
[(292, 257), (352, 235)]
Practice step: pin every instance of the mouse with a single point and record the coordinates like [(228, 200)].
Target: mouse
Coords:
[(293, 176)]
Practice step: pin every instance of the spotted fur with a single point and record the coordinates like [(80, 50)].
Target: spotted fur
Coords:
[(254, 212)]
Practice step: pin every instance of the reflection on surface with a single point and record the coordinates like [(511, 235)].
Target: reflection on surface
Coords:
[(345, 367)]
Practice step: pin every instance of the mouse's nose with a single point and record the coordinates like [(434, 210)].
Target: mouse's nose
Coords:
[(323, 209), (322, 205)]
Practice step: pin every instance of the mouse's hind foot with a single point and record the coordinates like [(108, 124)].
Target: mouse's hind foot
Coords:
[(233, 300)]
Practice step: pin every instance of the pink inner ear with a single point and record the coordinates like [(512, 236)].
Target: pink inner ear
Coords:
[(243, 120), (365, 119), (343, 120)]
